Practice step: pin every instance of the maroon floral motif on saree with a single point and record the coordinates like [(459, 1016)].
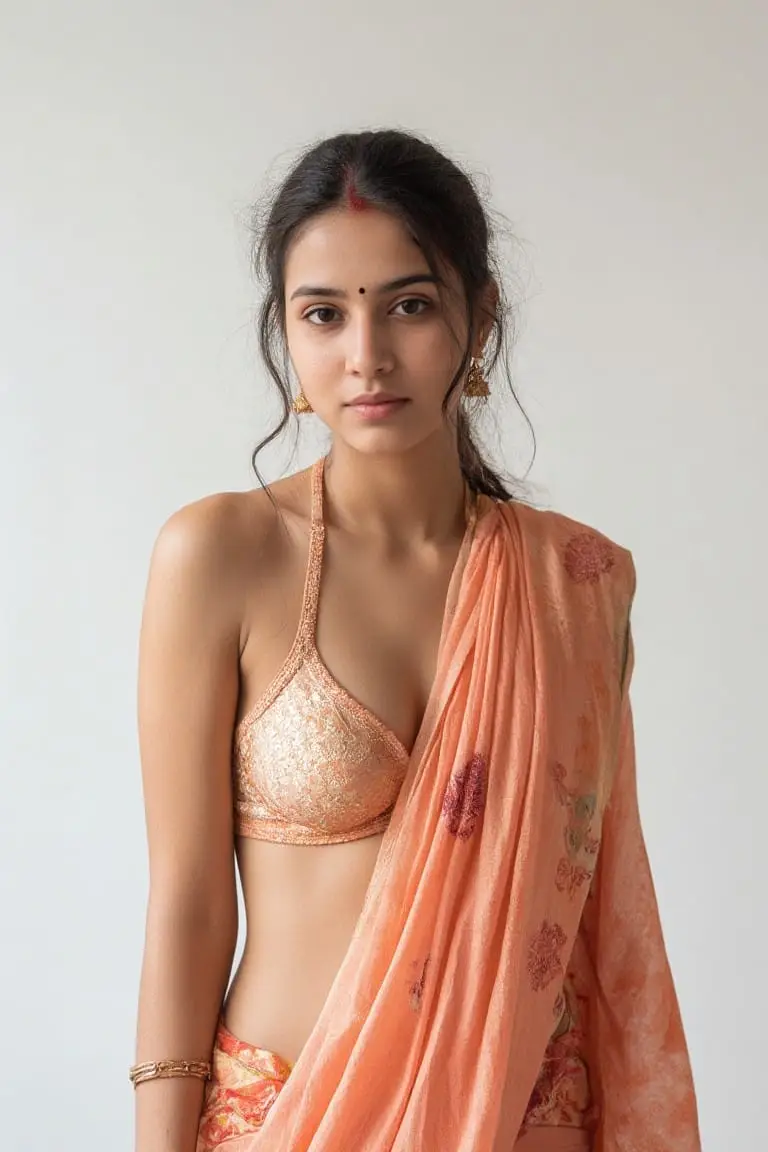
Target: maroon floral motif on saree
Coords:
[(544, 962), (588, 557), (464, 798), (417, 985), (562, 1096)]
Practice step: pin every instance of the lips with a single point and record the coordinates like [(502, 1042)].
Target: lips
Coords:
[(372, 398)]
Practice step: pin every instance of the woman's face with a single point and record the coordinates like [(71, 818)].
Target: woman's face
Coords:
[(353, 327)]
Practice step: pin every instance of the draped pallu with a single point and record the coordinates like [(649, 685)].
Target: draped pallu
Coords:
[(507, 984)]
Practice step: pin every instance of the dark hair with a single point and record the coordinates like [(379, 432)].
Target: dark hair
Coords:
[(405, 175)]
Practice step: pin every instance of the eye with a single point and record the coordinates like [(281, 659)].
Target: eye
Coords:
[(423, 305), (321, 311)]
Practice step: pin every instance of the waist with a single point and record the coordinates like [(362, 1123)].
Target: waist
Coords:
[(302, 904), (275, 1008)]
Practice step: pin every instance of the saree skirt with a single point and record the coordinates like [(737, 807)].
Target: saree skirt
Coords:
[(246, 1081)]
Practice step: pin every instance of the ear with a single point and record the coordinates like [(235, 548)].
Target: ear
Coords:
[(485, 315)]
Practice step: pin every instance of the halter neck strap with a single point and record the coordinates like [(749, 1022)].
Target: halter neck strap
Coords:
[(318, 468)]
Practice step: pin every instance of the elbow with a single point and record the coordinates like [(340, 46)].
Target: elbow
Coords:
[(203, 920)]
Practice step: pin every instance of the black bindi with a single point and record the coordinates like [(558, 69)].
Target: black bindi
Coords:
[(361, 291)]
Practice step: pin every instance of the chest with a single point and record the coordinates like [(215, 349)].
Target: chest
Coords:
[(378, 627)]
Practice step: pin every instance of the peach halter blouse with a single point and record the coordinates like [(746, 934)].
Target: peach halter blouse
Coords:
[(311, 764)]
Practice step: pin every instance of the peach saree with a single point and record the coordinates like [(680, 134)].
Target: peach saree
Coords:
[(507, 984)]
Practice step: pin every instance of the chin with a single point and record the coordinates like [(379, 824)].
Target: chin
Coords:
[(390, 440)]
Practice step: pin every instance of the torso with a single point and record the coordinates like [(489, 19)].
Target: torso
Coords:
[(378, 631)]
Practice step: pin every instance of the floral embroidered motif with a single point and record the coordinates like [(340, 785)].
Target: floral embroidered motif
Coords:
[(588, 557), (562, 1096), (416, 988), (544, 962), (570, 877), (565, 1018), (559, 1090), (464, 798), (579, 841)]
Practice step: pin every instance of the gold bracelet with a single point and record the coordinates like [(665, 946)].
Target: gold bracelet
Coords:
[(167, 1069)]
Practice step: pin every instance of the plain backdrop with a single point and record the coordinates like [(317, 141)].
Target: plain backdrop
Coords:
[(625, 143)]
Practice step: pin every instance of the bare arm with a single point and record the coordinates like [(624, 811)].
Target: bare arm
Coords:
[(187, 700)]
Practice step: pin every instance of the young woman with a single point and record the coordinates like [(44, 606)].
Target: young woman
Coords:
[(398, 695)]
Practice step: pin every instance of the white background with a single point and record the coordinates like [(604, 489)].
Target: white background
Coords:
[(626, 143)]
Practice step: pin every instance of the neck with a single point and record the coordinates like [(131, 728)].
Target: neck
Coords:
[(416, 496)]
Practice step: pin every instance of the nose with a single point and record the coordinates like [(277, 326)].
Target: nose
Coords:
[(369, 352)]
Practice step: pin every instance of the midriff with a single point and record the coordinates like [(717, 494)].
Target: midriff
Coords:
[(301, 903)]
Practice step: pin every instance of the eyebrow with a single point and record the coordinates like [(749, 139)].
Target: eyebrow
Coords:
[(390, 286)]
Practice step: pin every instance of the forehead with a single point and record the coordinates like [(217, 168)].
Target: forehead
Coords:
[(339, 247)]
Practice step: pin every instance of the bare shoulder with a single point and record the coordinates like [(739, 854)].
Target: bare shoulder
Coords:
[(206, 533), (218, 549)]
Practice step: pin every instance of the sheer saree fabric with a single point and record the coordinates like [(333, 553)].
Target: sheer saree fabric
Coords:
[(507, 984)]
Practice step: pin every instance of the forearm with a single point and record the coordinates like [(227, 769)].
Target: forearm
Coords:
[(186, 968)]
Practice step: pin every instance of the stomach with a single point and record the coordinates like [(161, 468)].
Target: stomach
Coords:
[(302, 903)]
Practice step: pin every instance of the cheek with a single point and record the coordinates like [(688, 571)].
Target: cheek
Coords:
[(429, 357), (444, 343), (311, 353)]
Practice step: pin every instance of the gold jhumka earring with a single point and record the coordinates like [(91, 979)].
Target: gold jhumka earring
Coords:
[(477, 385), (301, 404)]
